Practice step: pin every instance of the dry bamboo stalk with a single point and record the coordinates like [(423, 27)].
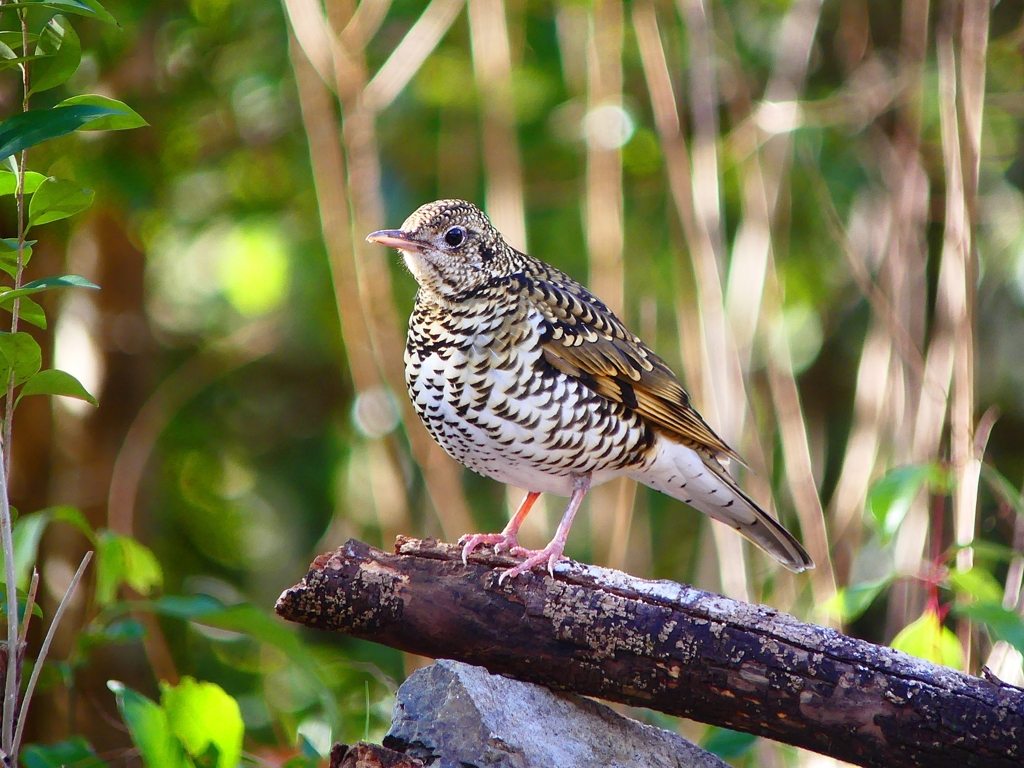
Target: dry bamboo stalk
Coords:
[(441, 475), (752, 247), (974, 45), (319, 118), (703, 103), (957, 309), (948, 344), (904, 269), (611, 504), (604, 226), (916, 439), (709, 316), (797, 455), (1004, 660), (973, 51), (752, 272), (492, 65), (728, 412), (679, 172), (859, 458), (364, 23), (409, 55)]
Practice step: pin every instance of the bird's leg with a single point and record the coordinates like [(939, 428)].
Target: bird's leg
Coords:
[(507, 539), (552, 553)]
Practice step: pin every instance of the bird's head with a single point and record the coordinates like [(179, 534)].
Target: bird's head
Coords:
[(451, 248)]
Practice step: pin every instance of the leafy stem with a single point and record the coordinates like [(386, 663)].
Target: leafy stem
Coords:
[(26, 83), (6, 524)]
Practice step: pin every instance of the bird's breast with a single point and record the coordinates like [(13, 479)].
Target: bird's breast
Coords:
[(480, 384)]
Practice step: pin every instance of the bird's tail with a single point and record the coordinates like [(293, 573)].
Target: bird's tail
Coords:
[(704, 484)]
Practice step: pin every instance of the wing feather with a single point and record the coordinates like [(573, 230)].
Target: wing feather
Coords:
[(585, 340)]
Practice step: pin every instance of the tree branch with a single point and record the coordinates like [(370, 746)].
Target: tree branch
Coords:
[(667, 647)]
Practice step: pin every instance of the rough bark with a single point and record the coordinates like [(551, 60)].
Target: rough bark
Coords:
[(667, 647)]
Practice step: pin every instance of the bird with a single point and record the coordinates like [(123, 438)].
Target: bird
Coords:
[(524, 376)]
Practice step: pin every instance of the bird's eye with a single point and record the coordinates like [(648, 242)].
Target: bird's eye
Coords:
[(455, 236)]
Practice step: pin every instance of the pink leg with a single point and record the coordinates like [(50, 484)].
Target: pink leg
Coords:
[(552, 553), (507, 539)]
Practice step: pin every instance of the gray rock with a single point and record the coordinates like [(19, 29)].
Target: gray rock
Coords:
[(453, 715)]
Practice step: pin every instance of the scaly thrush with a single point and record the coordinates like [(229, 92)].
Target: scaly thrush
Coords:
[(522, 375)]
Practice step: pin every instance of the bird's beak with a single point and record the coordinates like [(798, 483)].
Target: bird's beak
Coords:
[(394, 238)]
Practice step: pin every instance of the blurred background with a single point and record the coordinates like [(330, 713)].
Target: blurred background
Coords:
[(813, 211)]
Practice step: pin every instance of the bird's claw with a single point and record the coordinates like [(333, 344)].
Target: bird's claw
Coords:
[(549, 554), (501, 542)]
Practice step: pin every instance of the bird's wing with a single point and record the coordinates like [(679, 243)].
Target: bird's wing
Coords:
[(583, 339)]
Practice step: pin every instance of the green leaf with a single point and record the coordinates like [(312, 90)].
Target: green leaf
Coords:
[(29, 311), (118, 632), (63, 51), (124, 631), (202, 716), (250, 620), (54, 382), (64, 513), (26, 129), (1004, 624), (9, 182), (891, 497), (927, 639), (47, 284), (125, 119), (9, 254), (22, 603), (10, 244), (976, 584), (57, 199), (12, 38), (850, 602), (150, 731), (89, 8), (18, 352), (75, 752), (186, 607), (728, 744), (10, 62), (123, 560), (28, 532)]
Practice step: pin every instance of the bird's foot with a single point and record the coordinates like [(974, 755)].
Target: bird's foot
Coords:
[(502, 542), (551, 554)]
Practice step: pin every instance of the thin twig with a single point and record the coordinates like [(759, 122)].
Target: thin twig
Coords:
[(492, 68), (37, 668), (30, 605), (11, 683)]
